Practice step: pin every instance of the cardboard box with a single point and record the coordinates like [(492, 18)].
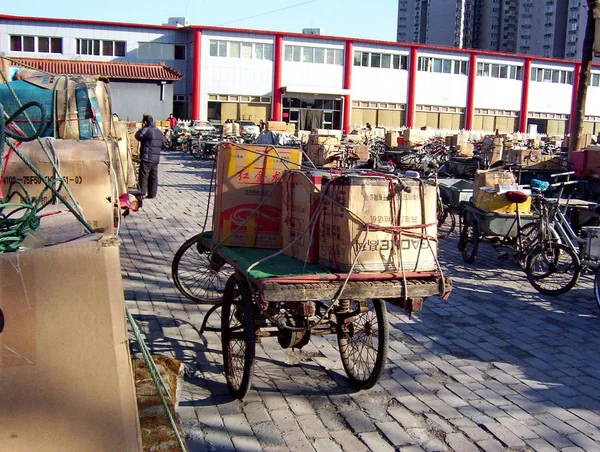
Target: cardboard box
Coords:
[(391, 139), (301, 192), (277, 126), (490, 178), (85, 167), (343, 236), (247, 176), (329, 132), (523, 157), (65, 370), (493, 202), (323, 139), (290, 129), (322, 154), (465, 150), (361, 151)]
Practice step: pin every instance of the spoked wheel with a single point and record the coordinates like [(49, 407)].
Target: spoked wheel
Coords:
[(238, 336), (197, 150), (552, 268), (597, 286), (198, 276), (446, 221), (530, 236), (468, 243), (363, 340)]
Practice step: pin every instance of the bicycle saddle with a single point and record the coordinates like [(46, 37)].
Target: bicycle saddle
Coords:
[(515, 196)]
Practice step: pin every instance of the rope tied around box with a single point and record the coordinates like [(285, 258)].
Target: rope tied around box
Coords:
[(18, 210)]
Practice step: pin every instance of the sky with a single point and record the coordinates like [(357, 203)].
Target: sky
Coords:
[(348, 18)]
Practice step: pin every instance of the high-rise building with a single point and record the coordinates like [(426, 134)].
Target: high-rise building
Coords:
[(550, 28)]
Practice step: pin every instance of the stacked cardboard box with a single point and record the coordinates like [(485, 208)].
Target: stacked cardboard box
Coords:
[(406, 208), (277, 126), (85, 166), (391, 139), (322, 149), (299, 225), (486, 196), (247, 208), (65, 370)]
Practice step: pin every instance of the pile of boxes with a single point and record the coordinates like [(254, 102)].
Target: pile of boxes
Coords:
[(65, 370), (489, 188), (377, 222)]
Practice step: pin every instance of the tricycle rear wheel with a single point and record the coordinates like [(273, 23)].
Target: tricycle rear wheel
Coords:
[(468, 243), (363, 340), (238, 336)]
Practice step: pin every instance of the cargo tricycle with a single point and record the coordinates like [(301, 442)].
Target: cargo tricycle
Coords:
[(269, 294)]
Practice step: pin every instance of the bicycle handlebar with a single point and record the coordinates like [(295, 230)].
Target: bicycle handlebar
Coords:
[(568, 173), (562, 184)]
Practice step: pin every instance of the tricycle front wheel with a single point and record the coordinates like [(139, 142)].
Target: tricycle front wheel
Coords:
[(363, 340), (238, 336)]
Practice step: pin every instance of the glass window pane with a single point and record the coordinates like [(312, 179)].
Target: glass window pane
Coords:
[(213, 48), (107, 48), (547, 75), (386, 61), (563, 77), (330, 56), (319, 55), (495, 70), (43, 44), (570, 78), (396, 61), (223, 49), (15, 43), (404, 62), (287, 53), (338, 57), (234, 49), (376, 60), (258, 51), (96, 47), (28, 44), (246, 50), (503, 71), (120, 49), (297, 53), (447, 66), (307, 54), (512, 72), (555, 76), (365, 59), (480, 69), (519, 72), (437, 65), (268, 49)]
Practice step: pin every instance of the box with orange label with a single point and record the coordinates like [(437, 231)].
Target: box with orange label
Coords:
[(247, 208), (299, 225)]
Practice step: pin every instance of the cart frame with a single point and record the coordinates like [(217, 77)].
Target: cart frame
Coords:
[(309, 301)]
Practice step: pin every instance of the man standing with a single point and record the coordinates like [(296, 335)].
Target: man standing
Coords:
[(152, 141)]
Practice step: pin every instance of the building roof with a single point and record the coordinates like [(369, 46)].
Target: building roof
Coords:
[(110, 70)]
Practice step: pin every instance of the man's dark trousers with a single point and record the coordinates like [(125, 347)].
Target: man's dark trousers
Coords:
[(148, 179)]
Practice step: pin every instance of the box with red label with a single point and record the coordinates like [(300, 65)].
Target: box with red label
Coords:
[(300, 199), (247, 208)]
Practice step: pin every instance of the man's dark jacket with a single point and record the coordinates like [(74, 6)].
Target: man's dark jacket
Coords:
[(152, 141)]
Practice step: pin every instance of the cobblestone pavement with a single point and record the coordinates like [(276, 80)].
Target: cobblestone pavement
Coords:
[(496, 367)]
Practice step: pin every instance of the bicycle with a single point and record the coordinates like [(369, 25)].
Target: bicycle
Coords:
[(555, 264)]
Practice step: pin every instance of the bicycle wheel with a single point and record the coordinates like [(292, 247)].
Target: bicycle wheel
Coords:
[(238, 337), (530, 236), (597, 286), (196, 150), (468, 243), (196, 276), (363, 340), (446, 222), (552, 268)]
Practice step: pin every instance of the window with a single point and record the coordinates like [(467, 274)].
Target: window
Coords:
[(45, 44), (430, 64), (319, 55), (386, 61), (246, 49), (376, 60), (88, 47), (236, 49), (307, 54), (595, 80), (551, 76), (179, 52), (379, 60)]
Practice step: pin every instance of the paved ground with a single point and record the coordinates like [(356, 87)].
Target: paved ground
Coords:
[(496, 367)]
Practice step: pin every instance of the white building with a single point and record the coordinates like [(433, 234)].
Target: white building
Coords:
[(326, 81)]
